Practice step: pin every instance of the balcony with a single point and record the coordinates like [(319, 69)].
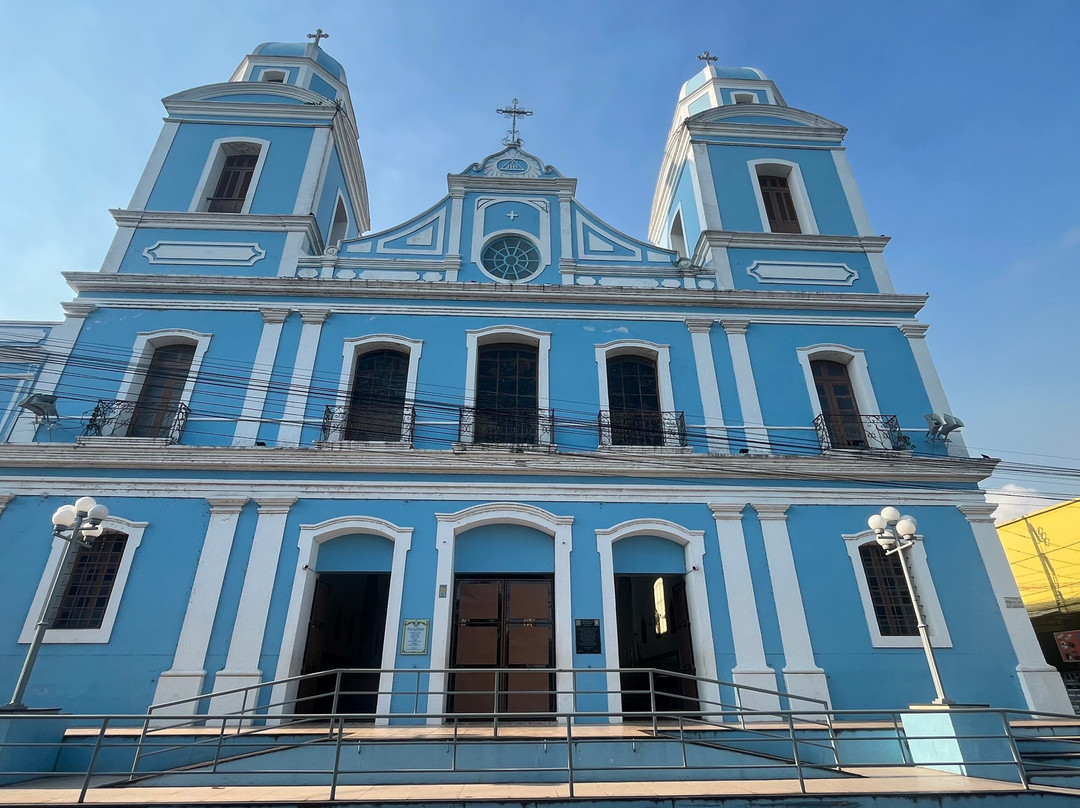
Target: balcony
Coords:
[(164, 421), (224, 204), (515, 427), (631, 428), (369, 424), (860, 432)]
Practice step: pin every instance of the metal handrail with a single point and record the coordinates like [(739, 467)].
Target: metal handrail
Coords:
[(790, 722)]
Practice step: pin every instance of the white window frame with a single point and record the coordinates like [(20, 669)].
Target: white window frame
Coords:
[(858, 374), (355, 347), (924, 586), (215, 161), (476, 338), (661, 355), (134, 532), (339, 200), (697, 602), (142, 353), (310, 541), (793, 174)]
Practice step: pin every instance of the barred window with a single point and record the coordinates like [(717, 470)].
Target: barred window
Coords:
[(888, 592), (90, 583), (377, 408), (634, 401)]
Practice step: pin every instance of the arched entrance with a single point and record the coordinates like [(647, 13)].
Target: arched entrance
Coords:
[(656, 614), (347, 568)]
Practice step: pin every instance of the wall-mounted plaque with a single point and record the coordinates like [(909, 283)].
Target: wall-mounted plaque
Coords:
[(414, 636), (587, 636)]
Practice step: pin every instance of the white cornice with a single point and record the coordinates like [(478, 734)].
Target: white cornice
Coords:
[(182, 220), (701, 131), (519, 185), (351, 290), (360, 460), (795, 241)]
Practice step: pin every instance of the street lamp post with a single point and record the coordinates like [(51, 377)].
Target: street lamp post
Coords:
[(77, 524), (895, 534)]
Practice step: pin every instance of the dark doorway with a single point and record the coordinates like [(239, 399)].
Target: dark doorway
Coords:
[(346, 630), (502, 622), (838, 406), (654, 632)]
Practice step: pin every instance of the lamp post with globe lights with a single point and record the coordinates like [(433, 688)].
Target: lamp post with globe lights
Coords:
[(78, 524), (895, 534)]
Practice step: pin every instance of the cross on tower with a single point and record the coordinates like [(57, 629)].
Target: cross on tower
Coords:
[(318, 35), (513, 112), (707, 58)]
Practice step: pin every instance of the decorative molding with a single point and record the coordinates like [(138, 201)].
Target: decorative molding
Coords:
[(734, 326), (204, 253), (795, 241), (776, 512), (197, 220), (914, 330), (230, 286), (274, 316), (802, 273)]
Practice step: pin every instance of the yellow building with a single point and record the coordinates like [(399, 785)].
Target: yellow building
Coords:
[(1044, 551)]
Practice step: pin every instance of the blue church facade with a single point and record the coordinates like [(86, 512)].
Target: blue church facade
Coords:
[(473, 439)]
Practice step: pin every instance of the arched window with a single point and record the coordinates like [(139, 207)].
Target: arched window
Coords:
[(90, 583), (782, 198), (160, 399), (377, 402), (230, 176), (839, 409), (677, 239), (507, 393), (634, 401), (889, 596), (340, 225)]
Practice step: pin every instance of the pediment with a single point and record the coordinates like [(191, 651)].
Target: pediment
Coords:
[(513, 162), (765, 115), (239, 92)]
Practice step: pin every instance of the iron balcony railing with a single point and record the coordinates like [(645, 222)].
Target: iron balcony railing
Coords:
[(513, 426), (225, 204), (134, 420), (844, 431), (631, 428), (393, 424)]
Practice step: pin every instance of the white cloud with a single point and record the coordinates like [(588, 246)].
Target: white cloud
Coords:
[(1014, 501)]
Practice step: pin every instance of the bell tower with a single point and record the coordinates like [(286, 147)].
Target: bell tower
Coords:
[(761, 193)]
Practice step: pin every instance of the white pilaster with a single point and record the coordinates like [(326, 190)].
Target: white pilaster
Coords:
[(802, 676), (916, 337), (1040, 682), (715, 430), (750, 666), (851, 193), (58, 347), (185, 678), (153, 166), (566, 256), (310, 180), (247, 428), (292, 423), (757, 437), (705, 187), (242, 664)]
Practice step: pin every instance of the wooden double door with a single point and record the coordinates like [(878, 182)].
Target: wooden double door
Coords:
[(508, 623)]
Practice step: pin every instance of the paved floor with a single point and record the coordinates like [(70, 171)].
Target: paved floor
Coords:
[(890, 780)]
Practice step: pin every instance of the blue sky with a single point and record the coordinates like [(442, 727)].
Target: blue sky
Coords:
[(963, 119)]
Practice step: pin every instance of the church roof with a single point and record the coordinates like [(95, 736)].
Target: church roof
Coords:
[(324, 59)]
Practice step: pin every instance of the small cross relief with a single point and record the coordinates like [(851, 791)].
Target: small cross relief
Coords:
[(512, 215)]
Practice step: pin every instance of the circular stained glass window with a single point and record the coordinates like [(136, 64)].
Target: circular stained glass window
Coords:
[(511, 258)]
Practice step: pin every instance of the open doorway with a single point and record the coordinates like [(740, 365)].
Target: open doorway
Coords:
[(345, 630), (654, 632)]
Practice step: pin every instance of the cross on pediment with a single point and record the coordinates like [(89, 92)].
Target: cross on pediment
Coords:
[(513, 113)]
